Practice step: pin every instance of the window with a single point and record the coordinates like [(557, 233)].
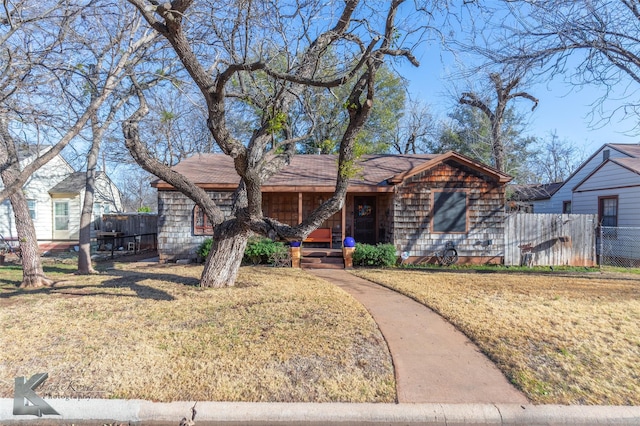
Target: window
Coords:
[(606, 154), (449, 212), (201, 224), (31, 205), (608, 210), (566, 207)]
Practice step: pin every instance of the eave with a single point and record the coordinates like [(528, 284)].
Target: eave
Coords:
[(163, 186)]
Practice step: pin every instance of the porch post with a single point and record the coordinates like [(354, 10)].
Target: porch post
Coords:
[(299, 207), (344, 221), (295, 257)]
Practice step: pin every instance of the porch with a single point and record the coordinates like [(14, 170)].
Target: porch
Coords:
[(365, 216)]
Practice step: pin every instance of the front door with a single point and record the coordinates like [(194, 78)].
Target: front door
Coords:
[(61, 220), (364, 221)]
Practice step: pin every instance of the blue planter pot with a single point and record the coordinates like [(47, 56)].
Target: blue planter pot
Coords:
[(294, 243), (349, 242)]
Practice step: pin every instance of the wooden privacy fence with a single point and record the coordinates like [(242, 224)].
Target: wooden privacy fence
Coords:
[(550, 239), (140, 229)]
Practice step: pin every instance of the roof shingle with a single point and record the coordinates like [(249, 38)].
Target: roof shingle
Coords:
[(304, 170)]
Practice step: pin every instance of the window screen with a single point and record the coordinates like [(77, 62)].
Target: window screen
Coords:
[(449, 212)]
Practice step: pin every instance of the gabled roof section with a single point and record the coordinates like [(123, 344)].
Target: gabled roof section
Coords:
[(28, 153), (631, 164), (453, 156), (319, 172), (534, 192), (632, 150), (74, 183)]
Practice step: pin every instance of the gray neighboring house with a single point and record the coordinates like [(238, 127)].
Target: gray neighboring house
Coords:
[(606, 184)]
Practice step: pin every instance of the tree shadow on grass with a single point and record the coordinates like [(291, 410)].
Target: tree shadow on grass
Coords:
[(117, 279)]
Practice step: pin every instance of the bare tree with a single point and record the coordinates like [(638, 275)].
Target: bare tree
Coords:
[(468, 131), (415, 131), (31, 37), (503, 93), (41, 89), (137, 191), (124, 48), (283, 44), (557, 159), (588, 42)]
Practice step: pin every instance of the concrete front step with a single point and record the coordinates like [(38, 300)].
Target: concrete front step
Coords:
[(321, 253), (322, 259), (336, 260), (321, 266)]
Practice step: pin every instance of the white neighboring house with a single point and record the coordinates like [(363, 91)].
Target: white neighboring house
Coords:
[(55, 194), (606, 184)]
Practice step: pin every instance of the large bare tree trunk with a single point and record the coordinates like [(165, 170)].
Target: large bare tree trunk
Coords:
[(497, 146), (222, 264), (84, 255), (32, 272)]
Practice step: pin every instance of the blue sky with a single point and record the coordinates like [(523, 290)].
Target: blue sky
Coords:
[(562, 108)]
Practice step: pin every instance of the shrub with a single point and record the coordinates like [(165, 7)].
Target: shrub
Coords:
[(259, 249), (205, 248), (378, 255)]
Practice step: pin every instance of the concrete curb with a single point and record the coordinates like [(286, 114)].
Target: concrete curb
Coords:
[(100, 411)]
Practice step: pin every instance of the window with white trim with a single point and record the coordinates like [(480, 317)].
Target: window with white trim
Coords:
[(31, 205)]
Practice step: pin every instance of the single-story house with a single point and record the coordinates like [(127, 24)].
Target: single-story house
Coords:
[(415, 202), (606, 184), (55, 195)]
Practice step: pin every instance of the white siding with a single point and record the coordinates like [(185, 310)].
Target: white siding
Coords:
[(107, 193), (37, 188), (554, 205), (611, 180), (610, 175), (628, 203), (7, 227)]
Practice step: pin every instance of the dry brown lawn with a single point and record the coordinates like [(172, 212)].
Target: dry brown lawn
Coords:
[(150, 333), (562, 339)]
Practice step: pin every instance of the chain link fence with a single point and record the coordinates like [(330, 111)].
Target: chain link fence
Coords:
[(619, 246)]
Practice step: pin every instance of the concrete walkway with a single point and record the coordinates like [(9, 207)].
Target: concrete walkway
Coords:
[(433, 361)]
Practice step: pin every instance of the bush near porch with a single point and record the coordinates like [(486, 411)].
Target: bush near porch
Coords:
[(378, 255), (258, 251)]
